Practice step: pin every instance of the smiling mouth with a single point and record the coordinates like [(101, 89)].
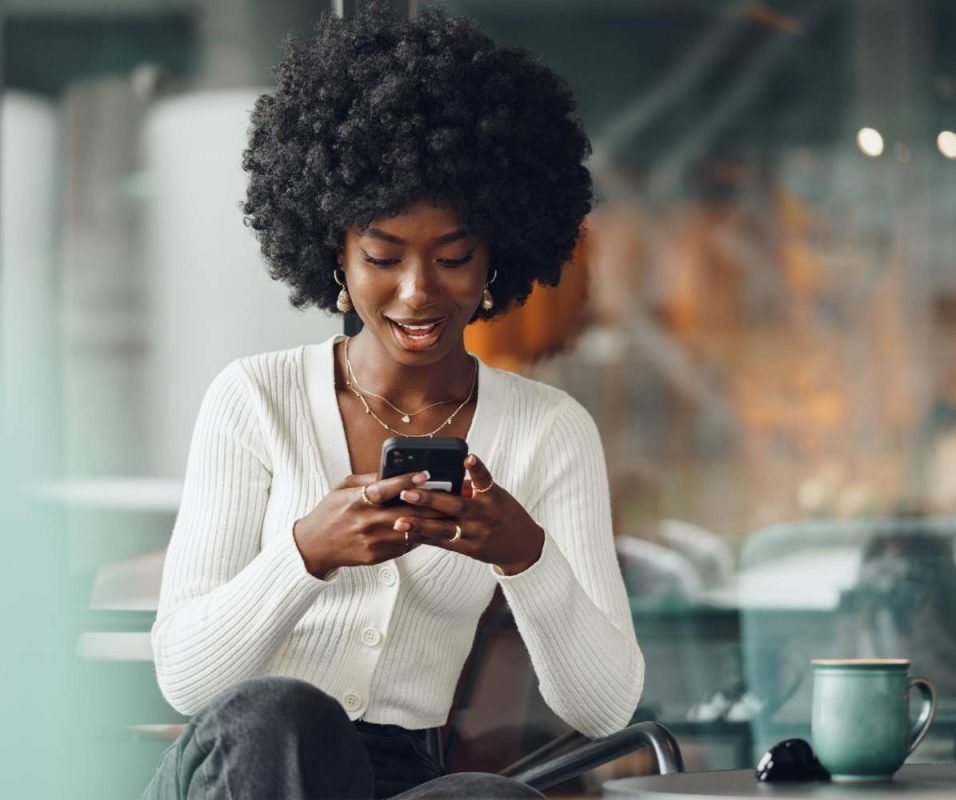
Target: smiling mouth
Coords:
[(417, 328), (418, 335)]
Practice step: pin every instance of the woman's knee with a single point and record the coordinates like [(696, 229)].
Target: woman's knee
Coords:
[(274, 702), (254, 733)]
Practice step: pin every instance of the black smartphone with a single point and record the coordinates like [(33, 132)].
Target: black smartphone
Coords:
[(444, 458)]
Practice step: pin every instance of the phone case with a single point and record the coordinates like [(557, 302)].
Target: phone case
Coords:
[(443, 458)]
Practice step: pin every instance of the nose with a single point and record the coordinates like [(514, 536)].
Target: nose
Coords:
[(418, 288)]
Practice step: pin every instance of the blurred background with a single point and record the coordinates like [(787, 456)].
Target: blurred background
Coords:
[(761, 318)]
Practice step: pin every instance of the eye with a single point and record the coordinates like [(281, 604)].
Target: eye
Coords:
[(379, 262), (456, 262)]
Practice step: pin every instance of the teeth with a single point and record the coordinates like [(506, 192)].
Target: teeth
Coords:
[(417, 327)]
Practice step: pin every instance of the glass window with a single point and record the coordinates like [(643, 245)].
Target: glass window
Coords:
[(768, 339)]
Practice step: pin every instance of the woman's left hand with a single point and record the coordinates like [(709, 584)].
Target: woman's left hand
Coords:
[(485, 523)]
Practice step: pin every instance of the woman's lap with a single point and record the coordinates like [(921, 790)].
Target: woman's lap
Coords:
[(280, 737)]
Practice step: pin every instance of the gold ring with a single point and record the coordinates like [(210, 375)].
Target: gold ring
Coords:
[(365, 497), (457, 535), (488, 488)]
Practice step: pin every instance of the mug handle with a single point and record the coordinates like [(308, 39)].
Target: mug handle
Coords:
[(926, 713)]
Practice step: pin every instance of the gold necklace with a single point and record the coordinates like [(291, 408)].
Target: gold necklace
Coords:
[(352, 384), (406, 415)]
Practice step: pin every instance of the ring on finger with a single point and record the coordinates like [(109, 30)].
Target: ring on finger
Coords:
[(406, 540), (488, 488), (366, 498), (457, 535)]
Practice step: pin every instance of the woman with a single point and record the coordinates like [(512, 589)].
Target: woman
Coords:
[(419, 174)]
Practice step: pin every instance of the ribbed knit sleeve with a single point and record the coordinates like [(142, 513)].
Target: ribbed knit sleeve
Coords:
[(571, 606), (227, 601)]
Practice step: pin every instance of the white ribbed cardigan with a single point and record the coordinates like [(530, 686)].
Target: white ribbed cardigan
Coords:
[(388, 641)]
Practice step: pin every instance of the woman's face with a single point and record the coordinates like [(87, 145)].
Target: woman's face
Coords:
[(416, 281)]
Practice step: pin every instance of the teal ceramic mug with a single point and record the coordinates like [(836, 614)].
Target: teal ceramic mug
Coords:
[(860, 723)]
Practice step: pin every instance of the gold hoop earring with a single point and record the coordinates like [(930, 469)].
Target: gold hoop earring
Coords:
[(487, 301), (343, 302)]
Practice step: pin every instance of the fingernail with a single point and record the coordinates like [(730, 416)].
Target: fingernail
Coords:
[(410, 497), (401, 525), (422, 477), (471, 461)]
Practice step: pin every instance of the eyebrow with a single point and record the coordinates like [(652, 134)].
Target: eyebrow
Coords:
[(375, 233)]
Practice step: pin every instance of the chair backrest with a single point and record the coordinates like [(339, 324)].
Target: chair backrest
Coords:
[(498, 714)]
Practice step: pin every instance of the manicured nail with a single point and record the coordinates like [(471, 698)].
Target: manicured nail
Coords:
[(402, 525), (422, 477), (410, 497), (471, 461)]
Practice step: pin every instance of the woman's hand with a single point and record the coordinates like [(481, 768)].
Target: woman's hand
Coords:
[(351, 527), (486, 523)]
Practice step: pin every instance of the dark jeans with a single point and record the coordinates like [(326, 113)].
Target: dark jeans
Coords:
[(285, 739)]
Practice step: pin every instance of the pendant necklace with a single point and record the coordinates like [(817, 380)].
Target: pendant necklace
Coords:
[(406, 416)]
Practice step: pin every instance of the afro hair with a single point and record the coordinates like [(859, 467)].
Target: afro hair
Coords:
[(377, 112)]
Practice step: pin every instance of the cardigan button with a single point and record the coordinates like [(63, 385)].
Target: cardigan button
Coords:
[(387, 576), (371, 637), (352, 701)]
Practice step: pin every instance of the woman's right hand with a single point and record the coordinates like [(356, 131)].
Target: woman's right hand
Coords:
[(348, 529)]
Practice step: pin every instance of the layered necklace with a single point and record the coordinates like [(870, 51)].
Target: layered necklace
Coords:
[(360, 393)]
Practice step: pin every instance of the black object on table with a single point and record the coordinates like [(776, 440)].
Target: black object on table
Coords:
[(790, 760), (917, 781)]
